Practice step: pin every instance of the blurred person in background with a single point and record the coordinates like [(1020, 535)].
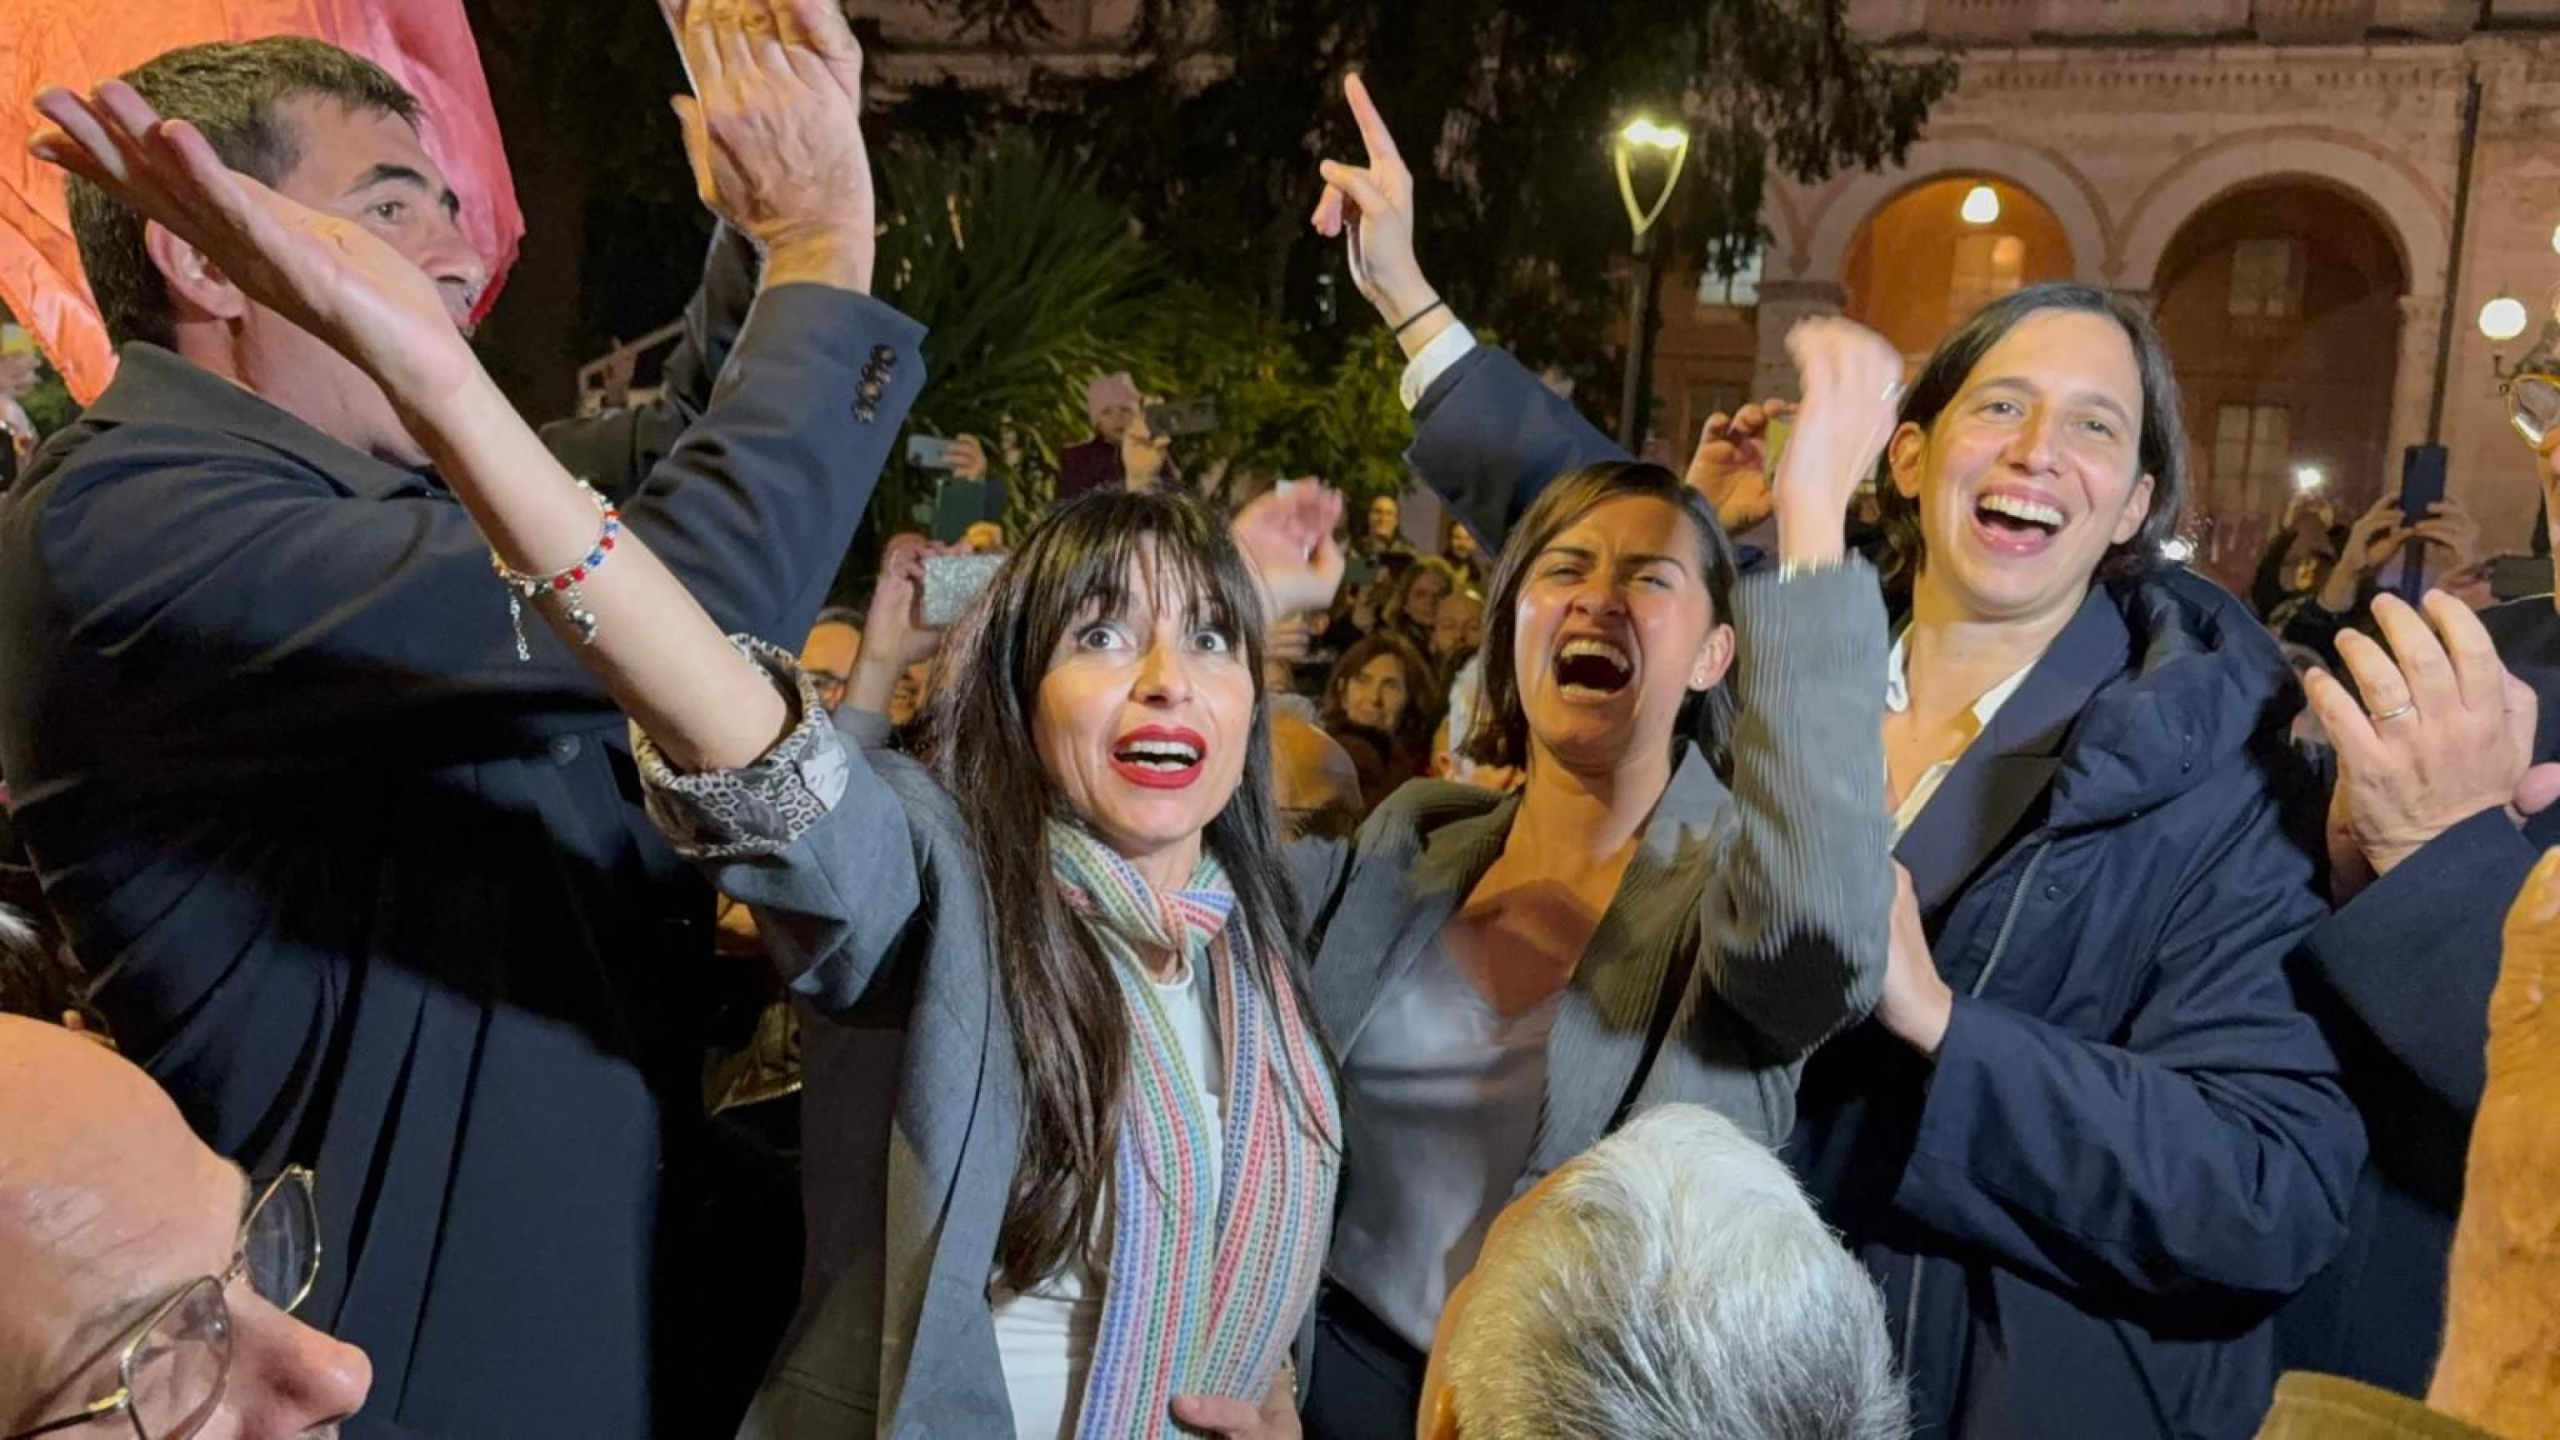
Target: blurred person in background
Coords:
[(1380, 704)]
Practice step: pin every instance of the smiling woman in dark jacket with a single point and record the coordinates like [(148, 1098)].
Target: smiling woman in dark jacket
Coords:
[(2091, 1139)]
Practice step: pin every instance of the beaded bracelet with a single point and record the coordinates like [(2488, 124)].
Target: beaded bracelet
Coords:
[(522, 587)]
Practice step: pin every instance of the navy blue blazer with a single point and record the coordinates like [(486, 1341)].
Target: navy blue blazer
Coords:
[(366, 892)]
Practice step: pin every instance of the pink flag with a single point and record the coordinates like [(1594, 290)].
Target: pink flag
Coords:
[(425, 44)]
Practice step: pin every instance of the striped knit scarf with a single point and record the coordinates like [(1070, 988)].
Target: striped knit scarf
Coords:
[(1199, 1303)]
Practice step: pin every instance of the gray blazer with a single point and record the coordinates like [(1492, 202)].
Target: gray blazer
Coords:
[(1763, 910), (868, 896), (1751, 923)]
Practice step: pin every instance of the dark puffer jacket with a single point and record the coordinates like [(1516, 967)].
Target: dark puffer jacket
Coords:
[(2132, 1145)]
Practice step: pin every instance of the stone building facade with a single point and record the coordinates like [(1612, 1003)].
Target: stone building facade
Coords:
[(2280, 182)]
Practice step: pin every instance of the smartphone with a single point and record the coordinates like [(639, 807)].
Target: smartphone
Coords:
[(928, 452), (951, 582), (2422, 471), (959, 504), (1186, 417), (1775, 436)]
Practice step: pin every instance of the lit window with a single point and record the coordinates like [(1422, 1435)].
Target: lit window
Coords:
[(1987, 266), (2266, 278), (2252, 449)]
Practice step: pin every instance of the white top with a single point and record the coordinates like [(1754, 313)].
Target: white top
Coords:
[(1433, 361), (1441, 1103), (1045, 1337), (1897, 698)]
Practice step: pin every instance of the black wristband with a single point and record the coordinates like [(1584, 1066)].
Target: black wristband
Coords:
[(1416, 317)]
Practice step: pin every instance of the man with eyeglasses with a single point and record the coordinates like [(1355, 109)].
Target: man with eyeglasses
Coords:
[(2444, 798), (150, 1285)]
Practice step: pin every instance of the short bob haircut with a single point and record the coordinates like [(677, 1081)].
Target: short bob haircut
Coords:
[(2163, 442), (1502, 725)]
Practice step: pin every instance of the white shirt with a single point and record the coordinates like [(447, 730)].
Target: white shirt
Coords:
[(1433, 361), (1045, 1337), (1897, 698)]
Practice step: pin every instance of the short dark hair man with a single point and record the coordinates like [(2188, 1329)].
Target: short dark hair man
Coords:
[(356, 856)]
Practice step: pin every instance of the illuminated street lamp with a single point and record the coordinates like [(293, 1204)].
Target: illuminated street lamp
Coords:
[(1981, 205), (2503, 318), (1643, 135)]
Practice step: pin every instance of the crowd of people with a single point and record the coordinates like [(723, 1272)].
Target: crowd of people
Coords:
[(1840, 944)]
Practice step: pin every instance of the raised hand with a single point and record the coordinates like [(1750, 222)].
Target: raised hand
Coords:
[(894, 635), (1852, 381), (1371, 208), (774, 131), (894, 630), (968, 458), (2442, 733), (1287, 537), (327, 274), (1731, 465), (1142, 455)]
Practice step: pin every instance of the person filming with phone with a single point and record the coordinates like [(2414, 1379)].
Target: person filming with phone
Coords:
[(1132, 442)]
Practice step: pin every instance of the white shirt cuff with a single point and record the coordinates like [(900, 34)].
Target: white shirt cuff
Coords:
[(1446, 349)]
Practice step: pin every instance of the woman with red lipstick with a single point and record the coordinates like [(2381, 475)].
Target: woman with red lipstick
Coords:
[(1073, 1137), (2091, 1140)]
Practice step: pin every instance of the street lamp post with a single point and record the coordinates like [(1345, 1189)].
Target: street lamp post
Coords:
[(1643, 134)]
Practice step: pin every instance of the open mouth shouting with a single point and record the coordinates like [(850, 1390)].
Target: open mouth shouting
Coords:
[(1590, 669), (2013, 521), (1160, 757)]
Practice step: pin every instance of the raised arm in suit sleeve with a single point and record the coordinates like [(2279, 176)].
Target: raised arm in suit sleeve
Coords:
[(618, 449), (263, 598), (1796, 916), (2415, 955), (2211, 1151), (1488, 436)]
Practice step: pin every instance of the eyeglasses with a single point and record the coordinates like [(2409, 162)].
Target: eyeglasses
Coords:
[(175, 1359), (2533, 405)]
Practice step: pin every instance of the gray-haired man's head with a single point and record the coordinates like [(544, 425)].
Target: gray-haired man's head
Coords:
[(1672, 1283)]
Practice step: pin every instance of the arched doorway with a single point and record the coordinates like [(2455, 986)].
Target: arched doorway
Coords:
[(1933, 254), (2280, 305)]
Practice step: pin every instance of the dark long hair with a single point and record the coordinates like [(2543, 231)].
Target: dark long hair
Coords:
[(1421, 710), (1502, 723), (2163, 444), (1070, 1032)]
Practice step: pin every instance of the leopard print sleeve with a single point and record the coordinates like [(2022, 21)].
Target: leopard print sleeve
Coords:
[(758, 809)]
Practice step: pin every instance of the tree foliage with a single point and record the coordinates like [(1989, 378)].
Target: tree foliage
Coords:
[(1031, 283), (1505, 109)]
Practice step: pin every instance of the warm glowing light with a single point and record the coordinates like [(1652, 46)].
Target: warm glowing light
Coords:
[(2177, 550), (2307, 478), (1644, 134), (2502, 318), (1981, 205), (2555, 237)]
